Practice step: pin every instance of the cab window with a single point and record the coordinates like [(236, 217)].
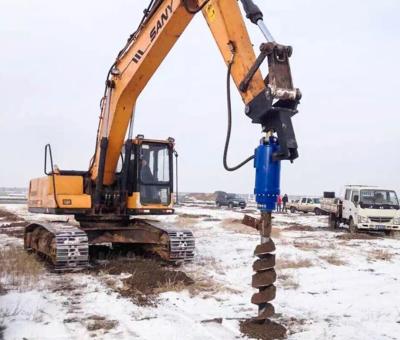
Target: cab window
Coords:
[(353, 194), (155, 177)]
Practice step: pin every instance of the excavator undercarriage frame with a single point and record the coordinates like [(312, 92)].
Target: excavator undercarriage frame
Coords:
[(67, 247)]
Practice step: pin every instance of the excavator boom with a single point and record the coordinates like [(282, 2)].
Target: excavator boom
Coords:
[(145, 51)]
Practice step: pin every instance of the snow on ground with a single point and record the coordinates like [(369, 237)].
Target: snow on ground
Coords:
[(329, 287)]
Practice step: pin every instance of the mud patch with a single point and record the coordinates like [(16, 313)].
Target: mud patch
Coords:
[(215, 320), (249, 211), (263, 331), (293, 324), (3, 291), (148, 278), (299, 227), (357, 236), (2, 329)]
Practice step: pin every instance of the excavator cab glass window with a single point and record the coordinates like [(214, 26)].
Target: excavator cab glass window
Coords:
[(155, 168)]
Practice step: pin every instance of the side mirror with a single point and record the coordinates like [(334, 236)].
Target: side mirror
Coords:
[(356, 199)]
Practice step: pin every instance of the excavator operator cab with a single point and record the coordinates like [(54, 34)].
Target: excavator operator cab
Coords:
[(148, 174)]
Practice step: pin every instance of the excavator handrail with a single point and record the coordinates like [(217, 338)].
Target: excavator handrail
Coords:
[(47, 150)]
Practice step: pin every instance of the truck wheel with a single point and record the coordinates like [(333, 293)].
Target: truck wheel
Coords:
[(317, 211), (218, 204), (230, 205), (292, 210), (352, 226)]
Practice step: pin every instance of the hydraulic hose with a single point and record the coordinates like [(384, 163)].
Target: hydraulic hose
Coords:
[(229, 129)]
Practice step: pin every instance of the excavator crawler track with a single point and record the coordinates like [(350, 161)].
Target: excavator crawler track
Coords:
[(173, 245), (181, 245), (66, 247)]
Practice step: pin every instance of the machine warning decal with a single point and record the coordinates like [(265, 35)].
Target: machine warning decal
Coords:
[(210, 11)]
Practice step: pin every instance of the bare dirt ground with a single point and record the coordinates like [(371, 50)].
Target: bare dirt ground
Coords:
[(145, 280), (264, 331), (331, 285)]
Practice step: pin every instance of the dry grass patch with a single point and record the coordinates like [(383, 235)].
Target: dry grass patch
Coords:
[(185, 221), (307, 245), (235, 225), (276, 232), (18, 268), (208, 287), (357, 236), (334, 260), (9, 216), (380, 255), (288, 281), (171, 285), (296, 263), (185, 215), (97, 322), (14, 229)]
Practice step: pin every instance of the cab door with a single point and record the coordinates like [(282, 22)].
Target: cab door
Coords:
[(354, 204), (310, 205), (155, 173), (303, 204), (347, 204)]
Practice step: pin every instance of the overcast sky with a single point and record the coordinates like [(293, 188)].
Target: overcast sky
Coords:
[(55, 55)]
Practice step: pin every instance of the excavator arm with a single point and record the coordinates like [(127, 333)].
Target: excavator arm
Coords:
[(163, 24)]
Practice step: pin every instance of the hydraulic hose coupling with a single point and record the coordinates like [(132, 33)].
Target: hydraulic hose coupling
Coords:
[(268, 172)]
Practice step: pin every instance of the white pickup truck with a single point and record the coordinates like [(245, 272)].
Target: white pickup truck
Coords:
[(305, 205), (364, 208)]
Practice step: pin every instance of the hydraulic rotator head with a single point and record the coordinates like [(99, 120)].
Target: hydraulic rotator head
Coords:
[(268, 172), (274, 107)]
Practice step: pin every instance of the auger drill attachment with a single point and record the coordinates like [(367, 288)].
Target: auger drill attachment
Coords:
[(273, 110), (266, 190)]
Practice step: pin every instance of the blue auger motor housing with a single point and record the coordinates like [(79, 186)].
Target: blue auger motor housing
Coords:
[(268, 173)]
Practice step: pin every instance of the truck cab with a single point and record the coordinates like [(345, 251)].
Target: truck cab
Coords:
[(373, 208)]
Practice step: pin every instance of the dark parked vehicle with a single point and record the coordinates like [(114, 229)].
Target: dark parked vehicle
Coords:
[(229, 200)]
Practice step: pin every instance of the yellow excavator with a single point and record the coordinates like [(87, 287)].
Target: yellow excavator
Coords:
[(128, 179)]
